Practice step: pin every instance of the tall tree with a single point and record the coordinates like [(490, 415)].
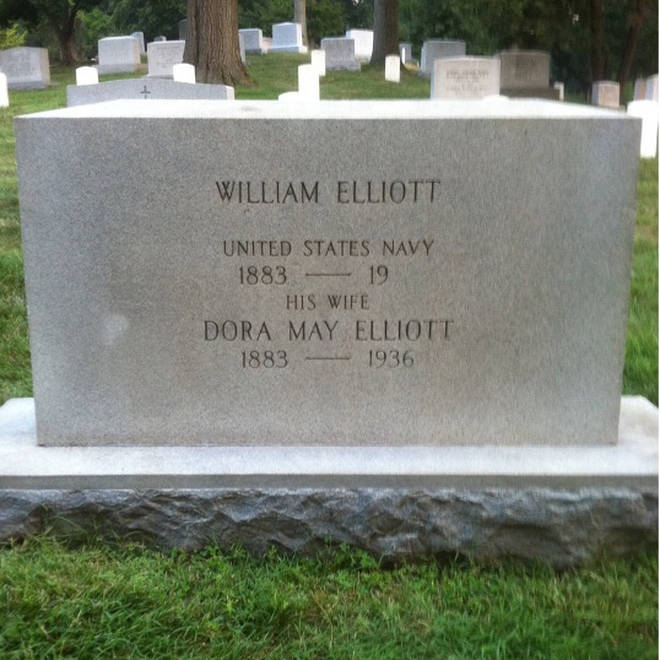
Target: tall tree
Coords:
[(597, 40), (635, 21), (212, 42), (300, 16), (386, 30)]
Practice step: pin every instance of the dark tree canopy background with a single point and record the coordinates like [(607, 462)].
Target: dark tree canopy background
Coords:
[(588, 39)]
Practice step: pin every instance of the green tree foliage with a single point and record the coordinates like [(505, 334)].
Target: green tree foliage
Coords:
[(12, 36)]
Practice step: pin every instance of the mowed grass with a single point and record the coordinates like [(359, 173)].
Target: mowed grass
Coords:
[(102, 602)]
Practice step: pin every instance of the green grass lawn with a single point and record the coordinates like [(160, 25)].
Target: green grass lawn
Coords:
[(103, 602), (100, 601)]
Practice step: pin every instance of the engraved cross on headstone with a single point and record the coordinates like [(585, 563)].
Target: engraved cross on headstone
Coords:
[(145, 91)]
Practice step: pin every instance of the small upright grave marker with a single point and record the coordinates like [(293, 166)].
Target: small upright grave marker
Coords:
[(393, 68), (87, 75), (183, 73), (605, 93)]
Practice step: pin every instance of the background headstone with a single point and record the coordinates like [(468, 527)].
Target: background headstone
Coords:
[(318, 61), (559, 86), (183, 73), (465, 77), (393, 68), (25, 67), (140, 38), (606, 94), (160, 37), (526, 73), (118, 55), (146, 89), (648, 112), (87, 75), (405, 51), (437, 48), (639, 91), (162, 56), (339, 54), (287, 37), (241, 47), (364, 43), (253, 39), (652, 88)]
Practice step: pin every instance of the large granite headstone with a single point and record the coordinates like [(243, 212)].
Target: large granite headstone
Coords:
[(287, 37), (162, 56), (118, 55), (397, 284), (339, 54), (25, 67), (141, 88), (465, 77), (434, 49)]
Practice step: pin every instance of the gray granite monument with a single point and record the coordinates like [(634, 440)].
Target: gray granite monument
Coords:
[(394, 339), (434, 49), (25, 67), (118, 55), (162, 56), (340, 54), (526, 73)]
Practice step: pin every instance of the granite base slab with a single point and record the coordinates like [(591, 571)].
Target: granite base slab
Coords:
[(561, 505)]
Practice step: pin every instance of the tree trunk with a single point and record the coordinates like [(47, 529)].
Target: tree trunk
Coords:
[(597, 32), (635, 21), (300, 16), (212, 42), (386, 30)]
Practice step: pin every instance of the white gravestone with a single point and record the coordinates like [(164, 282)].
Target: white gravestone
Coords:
[(434, 49), (318, 61), (559, 86), (25, 67), (183, 73), (339, 54), (405, 51), (146, 89), (4, 91), (652, 88), (87, 75), (287, 37), (253, 38), (140, 39), (364, 43), (648, 112), (398, 284), (393, 68), (308, 83), (162, 56), (465, 78), (605, 93), (118, 55)]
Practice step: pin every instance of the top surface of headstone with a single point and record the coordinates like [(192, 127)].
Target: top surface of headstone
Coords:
[(216, 284), (141, 88)]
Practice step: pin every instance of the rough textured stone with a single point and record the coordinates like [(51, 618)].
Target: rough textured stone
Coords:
[(559, 527)]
